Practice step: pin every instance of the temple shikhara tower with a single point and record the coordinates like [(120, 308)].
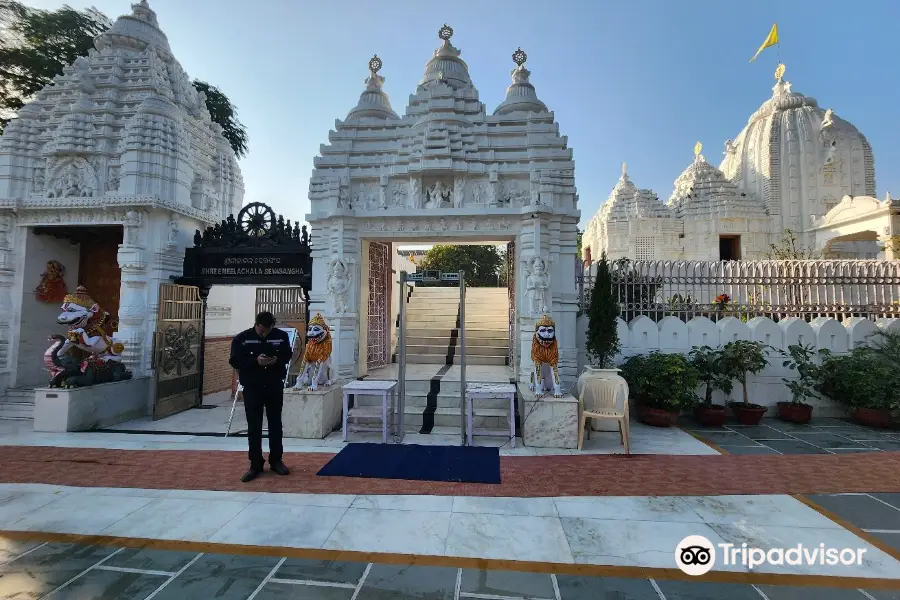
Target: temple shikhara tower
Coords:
[(108, 171), (795, 165), (447, 171)]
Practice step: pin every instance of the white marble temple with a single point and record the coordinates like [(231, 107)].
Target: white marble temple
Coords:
[(508, 537), (177, 519), (286, 526), (395, 531)]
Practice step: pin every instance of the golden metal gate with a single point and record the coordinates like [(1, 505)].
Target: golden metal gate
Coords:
[(288, 305), (178, 350)]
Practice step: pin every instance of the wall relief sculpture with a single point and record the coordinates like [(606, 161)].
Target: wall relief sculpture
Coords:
[(438, 195), (398, 194), (112, 180), (337, 283), (537, 284), (37, 180), (74, 178), (459, 191), (52, 288)]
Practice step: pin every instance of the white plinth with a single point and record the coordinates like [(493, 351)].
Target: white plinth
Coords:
[(83, 409), (548, 422), (311, 415)]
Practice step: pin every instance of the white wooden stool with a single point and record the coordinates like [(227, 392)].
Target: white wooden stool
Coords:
[(388, 392), (490, 390)]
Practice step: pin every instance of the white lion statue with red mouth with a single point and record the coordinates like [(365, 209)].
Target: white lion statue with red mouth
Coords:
[(89, 327)]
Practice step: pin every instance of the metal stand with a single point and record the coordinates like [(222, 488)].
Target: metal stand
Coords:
[(462, 362), (401, 371), (240, 388)]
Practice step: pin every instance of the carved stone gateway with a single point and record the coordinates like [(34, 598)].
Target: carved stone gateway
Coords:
[(453, 173)]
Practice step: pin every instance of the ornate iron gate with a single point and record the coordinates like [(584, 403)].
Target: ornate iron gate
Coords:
[(177, 343), (511, 287), (288, 304), (378, 314)]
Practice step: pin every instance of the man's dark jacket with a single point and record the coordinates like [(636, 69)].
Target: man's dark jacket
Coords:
[(248, 345)]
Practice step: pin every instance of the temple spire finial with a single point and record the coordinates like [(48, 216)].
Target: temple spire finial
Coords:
[(779, 72), (698, 147), (375, 64), (519, 57), (445, 33), (624, 169)]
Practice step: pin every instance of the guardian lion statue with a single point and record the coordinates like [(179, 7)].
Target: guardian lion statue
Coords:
[(89, 327), (545, 355), (316, 368)]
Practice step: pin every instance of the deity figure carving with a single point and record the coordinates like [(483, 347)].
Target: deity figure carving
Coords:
[(399, 194), (343, 193), (38, 180), (437, 195), (536, 285), (52, 288), (491, 190), (415, 192), (381, 196), (173, 232), (730, 148), (535, 196), (366, 197), (112, 183), (459, 191), (132, 223), (69, 184), (316, 368), (828, 119), (476, 193), (338, 284)]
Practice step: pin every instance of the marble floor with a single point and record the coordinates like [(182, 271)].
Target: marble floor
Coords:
[(146, 434), (631, 532), (35, 569)]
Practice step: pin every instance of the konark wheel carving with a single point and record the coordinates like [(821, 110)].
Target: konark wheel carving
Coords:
[(257, 220)]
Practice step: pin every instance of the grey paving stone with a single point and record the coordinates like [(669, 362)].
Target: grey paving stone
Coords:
[(892, 499), (287, 591), (730, 438), (789, 427), (111, 585), (852, 450), (689, 590), (761, 432), (223, 577), (321, 570), (390, 582), (46, 568), (605, 588), (747, 449), (507, 583), (10, 548), (891, 445), (891, 539), (884, 594), (151, 560), (794, 447), (780, 592), (827, 440), (862, 511)]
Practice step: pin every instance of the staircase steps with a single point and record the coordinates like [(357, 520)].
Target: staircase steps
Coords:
[(17, 405)]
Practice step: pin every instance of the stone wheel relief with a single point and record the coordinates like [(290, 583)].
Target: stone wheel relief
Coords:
[(257, 220)]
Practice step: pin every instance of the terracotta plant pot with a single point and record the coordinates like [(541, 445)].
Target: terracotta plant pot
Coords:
[(656, 417), (710, 415), (872, 417), (795, 413), (748, 414)]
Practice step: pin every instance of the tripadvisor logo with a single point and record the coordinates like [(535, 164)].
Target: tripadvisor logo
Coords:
[(695, 555)]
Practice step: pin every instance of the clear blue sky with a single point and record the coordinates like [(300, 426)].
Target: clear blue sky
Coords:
[(629, 80)]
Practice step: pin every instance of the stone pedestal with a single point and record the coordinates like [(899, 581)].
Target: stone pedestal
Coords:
[(83, 409), (311, 415), (548, 422)]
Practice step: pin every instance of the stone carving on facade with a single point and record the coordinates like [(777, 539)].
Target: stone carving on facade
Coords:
[(73, 178), (459, 191), (415, 193), (535, 197), (730, 148), (5, 228), (37, 181), (344, 192), (112, 181), (132, 224), (828, 119), (514, 194), (398, 194), (366, 197), (172, 239), (476, 193), (338, 284), (537, 283), (381, 198), (438, 194)]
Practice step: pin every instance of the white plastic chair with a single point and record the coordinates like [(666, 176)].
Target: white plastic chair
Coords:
[(603, 402)]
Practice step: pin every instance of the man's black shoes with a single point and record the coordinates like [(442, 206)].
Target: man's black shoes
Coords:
[(280, 468), (251, 475)]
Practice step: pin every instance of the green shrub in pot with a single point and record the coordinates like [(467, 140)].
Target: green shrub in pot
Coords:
[(865, 380), (806, 362), (662, 385), (708, 362), (741, 358)]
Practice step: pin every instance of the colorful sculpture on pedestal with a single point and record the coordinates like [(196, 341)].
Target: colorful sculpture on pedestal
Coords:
[(316, 369), (52, 287), (545, 355), (87, 355)]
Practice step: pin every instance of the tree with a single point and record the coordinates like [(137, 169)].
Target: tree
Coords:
[(480, 263), (790, 248), (603, 332), (35, 46)]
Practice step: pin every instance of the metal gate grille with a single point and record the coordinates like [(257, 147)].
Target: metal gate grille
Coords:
[(177, 343), (288, 304), (378, 317), (511, 287)]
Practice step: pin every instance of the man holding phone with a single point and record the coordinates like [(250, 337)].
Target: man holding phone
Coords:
[(260, 356)]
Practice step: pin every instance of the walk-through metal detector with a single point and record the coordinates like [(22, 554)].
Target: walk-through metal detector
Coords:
[(406, 280)]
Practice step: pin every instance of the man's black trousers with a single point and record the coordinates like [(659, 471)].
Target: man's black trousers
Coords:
[(256, 400)]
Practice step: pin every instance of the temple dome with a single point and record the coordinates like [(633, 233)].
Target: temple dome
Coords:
[(703, 189), (446, 67), (520, 95), (137, 30), (373, 102), (797, 157), (626, 202)]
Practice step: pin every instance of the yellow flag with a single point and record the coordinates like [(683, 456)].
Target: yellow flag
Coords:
[(771, 40)]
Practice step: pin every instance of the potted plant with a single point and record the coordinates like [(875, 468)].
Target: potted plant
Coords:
[(739, 359), (602, 333), (865, 381), (708, 362), (809, 377), (662, 385)]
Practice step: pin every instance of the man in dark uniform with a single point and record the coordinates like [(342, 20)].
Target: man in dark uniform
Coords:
[(260, 355)]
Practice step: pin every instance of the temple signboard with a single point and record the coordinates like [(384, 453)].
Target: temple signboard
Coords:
[(255, 249)]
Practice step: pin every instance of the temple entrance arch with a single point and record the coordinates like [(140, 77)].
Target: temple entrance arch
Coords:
[(256, 247)]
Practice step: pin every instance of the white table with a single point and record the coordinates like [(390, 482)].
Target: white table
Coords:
[(370, 387), (490, 390)]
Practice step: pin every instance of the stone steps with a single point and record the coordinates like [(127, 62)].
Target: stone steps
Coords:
[(441, 359), (471, 350), (17, 405)]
